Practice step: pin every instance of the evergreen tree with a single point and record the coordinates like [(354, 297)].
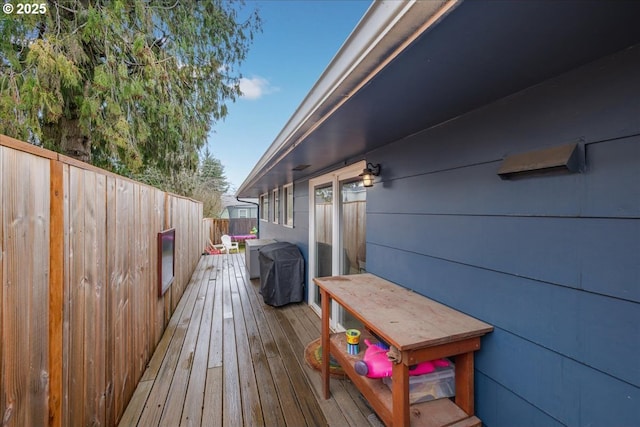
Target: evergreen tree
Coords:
[(207, 185), (212, 184), (125, 84), (211, 173)]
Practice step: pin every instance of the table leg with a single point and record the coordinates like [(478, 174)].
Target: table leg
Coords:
[(464, 382), (325, 305), (400, 395)]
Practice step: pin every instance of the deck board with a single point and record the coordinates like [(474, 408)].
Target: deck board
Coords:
[(228, 359)]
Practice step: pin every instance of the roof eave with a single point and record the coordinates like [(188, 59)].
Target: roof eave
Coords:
[(384, 31)]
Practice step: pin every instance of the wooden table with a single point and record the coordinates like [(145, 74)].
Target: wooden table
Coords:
[(420, 329)]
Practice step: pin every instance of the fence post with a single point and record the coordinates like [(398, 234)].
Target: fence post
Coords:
[(56, 291)]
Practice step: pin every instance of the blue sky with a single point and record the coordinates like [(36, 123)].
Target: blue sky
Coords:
[(298, 41)]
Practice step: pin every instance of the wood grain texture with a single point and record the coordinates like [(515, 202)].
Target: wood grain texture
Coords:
[(3, 396), (194, 397), (347, 407), (154, 406), (232, 402), (15, 144), (172, 413), (435, 413), (251, 407), (25, 296), (355, 293), (112, 416), (392, 310), (260, 365), (77, 295), (56, 291), (95, 316), (66, 335), (77, 323), (275, 386), (465, 384)]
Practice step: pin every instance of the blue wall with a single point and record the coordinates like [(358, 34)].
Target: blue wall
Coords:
[(553, 262), (299, 234)]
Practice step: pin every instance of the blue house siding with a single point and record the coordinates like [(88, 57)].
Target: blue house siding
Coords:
[(234, 211), (552, 262), (534, 324), (299, 234)]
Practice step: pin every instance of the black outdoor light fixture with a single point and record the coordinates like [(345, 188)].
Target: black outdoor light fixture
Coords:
[(368, 173)]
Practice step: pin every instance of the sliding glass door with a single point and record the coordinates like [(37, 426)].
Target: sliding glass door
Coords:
[(337, 232), (323, 234)]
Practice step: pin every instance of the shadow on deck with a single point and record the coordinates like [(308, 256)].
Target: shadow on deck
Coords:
[(228, 359)]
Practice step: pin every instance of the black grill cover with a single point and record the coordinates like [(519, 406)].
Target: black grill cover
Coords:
[(281, 274)]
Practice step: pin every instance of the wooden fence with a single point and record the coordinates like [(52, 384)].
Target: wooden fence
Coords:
[(213, 229), (242, 226), (354, 220), (80, 315)]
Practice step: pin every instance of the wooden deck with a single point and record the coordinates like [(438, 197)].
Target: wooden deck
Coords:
[(228, 359)]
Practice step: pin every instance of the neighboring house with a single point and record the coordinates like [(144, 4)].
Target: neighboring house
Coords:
[(232, 208), (242, 215), (444, 96)]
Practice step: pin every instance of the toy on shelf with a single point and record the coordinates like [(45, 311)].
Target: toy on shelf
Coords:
[(376, 364), (353, 340)]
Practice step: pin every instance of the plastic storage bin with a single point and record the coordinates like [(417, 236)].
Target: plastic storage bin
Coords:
[(436, 385), (251, 250)]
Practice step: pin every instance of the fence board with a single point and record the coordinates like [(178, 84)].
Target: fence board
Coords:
[(95, 298), (241, 226), (3, 398), (38, 250), (79, 311), (137, 291), (142, 265), (25, 206), (214, 228), (110, 369), (161, 321), (76, 295), (66, 313), (56, 291), (124, 204)]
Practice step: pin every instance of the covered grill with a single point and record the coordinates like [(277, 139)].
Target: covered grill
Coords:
[(281, 274)]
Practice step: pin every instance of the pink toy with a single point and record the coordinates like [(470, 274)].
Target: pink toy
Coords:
[(375, 363)]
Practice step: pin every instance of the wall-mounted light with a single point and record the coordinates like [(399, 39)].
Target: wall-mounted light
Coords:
[(559, 159), (368, 173)]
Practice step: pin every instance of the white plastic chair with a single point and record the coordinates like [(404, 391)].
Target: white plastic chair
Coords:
[(228, 245)]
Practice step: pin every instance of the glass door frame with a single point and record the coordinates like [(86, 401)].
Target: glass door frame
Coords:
[(334, 178)]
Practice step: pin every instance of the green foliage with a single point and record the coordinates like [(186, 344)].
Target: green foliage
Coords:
[(211, 173), (207, 184), (136, 84)]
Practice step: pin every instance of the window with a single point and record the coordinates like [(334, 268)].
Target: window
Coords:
[(243, 213), (288, 205), (264, 207), (276, 206)]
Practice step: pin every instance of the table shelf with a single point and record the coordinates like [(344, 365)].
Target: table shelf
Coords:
[(419, 329), (426, 414)]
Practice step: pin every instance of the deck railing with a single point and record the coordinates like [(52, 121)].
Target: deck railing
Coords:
[(80, 314)]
